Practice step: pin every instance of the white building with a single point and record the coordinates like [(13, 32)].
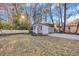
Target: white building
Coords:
[(43, 28)]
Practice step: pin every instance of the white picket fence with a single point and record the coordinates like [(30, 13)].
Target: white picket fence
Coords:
[(13, 31)]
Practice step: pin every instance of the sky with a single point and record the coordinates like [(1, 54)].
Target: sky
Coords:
[(3, 15), (73, 9)]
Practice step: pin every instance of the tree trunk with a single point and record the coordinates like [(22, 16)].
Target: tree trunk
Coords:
[(64, 17), (60, 15), (77, 28), (51, 16)]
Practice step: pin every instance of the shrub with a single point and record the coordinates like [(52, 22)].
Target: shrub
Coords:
[(5, 26)]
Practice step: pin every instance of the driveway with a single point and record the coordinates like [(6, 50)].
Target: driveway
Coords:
[(67, 36)]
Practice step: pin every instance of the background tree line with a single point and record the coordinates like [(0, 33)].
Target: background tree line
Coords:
[(37, 13)]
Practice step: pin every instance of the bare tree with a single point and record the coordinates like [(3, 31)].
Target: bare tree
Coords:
[(77, 28), (51, 14), (64, 16), (77, 10), (58, 6)]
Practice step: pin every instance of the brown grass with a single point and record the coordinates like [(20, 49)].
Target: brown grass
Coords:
[(37, 45)]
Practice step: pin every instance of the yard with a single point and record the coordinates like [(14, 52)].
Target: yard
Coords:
[(27, 45)]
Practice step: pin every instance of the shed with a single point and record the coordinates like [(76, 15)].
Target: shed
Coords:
[(43, 28)]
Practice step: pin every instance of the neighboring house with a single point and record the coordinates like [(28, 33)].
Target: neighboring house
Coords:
[(43, 28), (73, 26)]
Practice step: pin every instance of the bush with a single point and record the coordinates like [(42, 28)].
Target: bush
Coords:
[(5, 26), (33, 34), (61, 31), (1, 26)]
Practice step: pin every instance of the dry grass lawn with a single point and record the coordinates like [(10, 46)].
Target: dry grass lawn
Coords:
[(27, 45)]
